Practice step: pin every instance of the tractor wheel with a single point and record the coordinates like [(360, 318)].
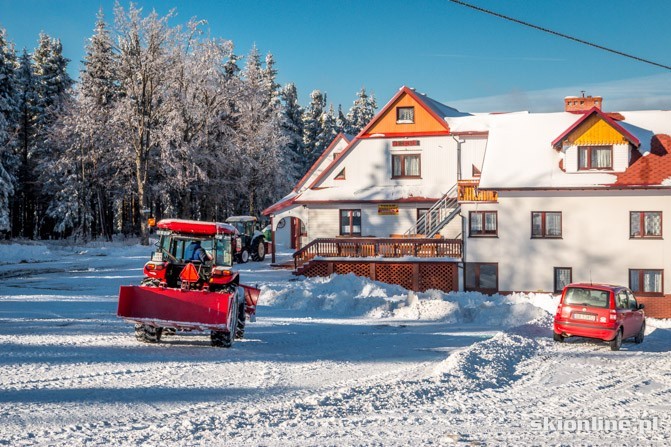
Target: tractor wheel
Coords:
[(221, 339), (243, 257), (224, 339), (148, 334), (258, 250), (240, 327)]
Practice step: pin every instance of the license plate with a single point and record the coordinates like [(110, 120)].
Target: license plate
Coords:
[(586, 317)]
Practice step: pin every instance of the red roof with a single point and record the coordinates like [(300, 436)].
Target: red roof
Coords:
[(651, 169), (321, 158)]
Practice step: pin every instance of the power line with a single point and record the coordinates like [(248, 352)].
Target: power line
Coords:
[(565, 36)]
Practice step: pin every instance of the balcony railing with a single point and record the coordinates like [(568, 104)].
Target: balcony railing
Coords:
[(469, 192), (368, 247)]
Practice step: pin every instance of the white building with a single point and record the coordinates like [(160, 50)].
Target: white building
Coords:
[(539, 199)]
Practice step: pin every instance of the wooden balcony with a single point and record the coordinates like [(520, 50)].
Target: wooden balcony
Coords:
[(468, 192), (371, 247)]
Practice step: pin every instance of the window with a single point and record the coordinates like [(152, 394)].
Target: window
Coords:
[(341, 175), (405, 115), (563, 277), (595, 157), (483, 277), (621, 300), (646, 281), (483, 223), (645, 224), (475, 172), (405, 166), (632, 300), (350, 222), (545, 224)]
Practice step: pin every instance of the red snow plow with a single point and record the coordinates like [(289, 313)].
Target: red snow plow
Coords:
[(189, 285)]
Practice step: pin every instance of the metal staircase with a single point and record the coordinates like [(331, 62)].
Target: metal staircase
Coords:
[(439, 215)]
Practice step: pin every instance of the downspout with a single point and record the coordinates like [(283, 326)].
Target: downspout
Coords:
[(461, 265)]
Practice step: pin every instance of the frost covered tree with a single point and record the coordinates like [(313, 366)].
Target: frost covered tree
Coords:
[(23, 203), (9, 114), (341, 123), (53, 91), (312, 127), (361, 112), (292, 130), (328, 130), (85, 140), (261, 136), (145, 68)]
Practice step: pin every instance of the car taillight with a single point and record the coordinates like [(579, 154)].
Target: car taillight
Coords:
[(613, 315)]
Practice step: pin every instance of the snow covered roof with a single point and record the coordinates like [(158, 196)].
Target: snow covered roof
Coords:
[(439, 108), (520, 155), (392, 193)]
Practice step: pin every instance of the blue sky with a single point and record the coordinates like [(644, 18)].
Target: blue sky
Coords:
[(461, 57)]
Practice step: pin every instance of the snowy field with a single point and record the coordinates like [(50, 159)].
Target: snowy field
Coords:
[(330, 361)]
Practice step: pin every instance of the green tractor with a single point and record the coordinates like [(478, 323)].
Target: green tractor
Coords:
[(252, 242)]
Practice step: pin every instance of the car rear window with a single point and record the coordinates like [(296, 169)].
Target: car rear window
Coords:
[(587, 297)]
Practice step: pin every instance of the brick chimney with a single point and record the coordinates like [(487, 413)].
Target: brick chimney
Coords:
[(579, 104)]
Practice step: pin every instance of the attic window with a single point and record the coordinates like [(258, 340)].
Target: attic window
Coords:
[(595, 157), (341, 175), (405, 115)]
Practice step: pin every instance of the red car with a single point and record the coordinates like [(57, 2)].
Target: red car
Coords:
[(601, 311)]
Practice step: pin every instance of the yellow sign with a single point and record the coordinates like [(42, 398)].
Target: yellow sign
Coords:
[(387, 209), (151, 222)]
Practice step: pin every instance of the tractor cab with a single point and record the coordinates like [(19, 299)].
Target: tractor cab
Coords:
[(244, 224), (176, 248)]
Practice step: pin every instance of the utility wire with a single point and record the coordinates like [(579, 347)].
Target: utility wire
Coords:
[(565, 36)]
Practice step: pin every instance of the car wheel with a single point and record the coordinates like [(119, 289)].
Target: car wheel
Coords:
[(616, 343), (558, 337), (641, 334)]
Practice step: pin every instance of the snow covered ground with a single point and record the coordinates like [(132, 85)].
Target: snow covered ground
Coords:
[(330, 361)]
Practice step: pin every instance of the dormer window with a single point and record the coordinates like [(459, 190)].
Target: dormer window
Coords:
[(595, 157), (405, 115)]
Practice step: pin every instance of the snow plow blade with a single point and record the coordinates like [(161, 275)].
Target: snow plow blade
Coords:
[(181, 309)]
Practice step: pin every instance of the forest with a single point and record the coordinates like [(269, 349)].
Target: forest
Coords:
[(163, 121)]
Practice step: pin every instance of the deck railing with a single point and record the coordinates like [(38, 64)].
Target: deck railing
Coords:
[(469, 192), (364, 247)]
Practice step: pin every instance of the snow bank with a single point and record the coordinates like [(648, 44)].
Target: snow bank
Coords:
[(493, 363), (30, 252), (350, 295)]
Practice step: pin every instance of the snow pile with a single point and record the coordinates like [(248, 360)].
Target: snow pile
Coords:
[(493, 363), (350, 295)]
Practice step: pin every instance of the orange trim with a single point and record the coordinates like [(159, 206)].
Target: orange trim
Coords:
[(279, 206), (403, 90)]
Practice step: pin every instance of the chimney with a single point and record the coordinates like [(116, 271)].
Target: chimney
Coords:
[(581, 104)]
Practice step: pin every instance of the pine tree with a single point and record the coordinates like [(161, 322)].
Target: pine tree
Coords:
[(53, 90), (292, 129), (312, 127), (361, 112), (85, 140), (328, 130), (23, 203), (341, 123), (9, 114)]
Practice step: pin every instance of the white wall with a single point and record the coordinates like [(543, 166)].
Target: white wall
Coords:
[(369, 164), (595, 238)]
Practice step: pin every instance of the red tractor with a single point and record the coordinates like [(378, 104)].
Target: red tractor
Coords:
[(190, 285)]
